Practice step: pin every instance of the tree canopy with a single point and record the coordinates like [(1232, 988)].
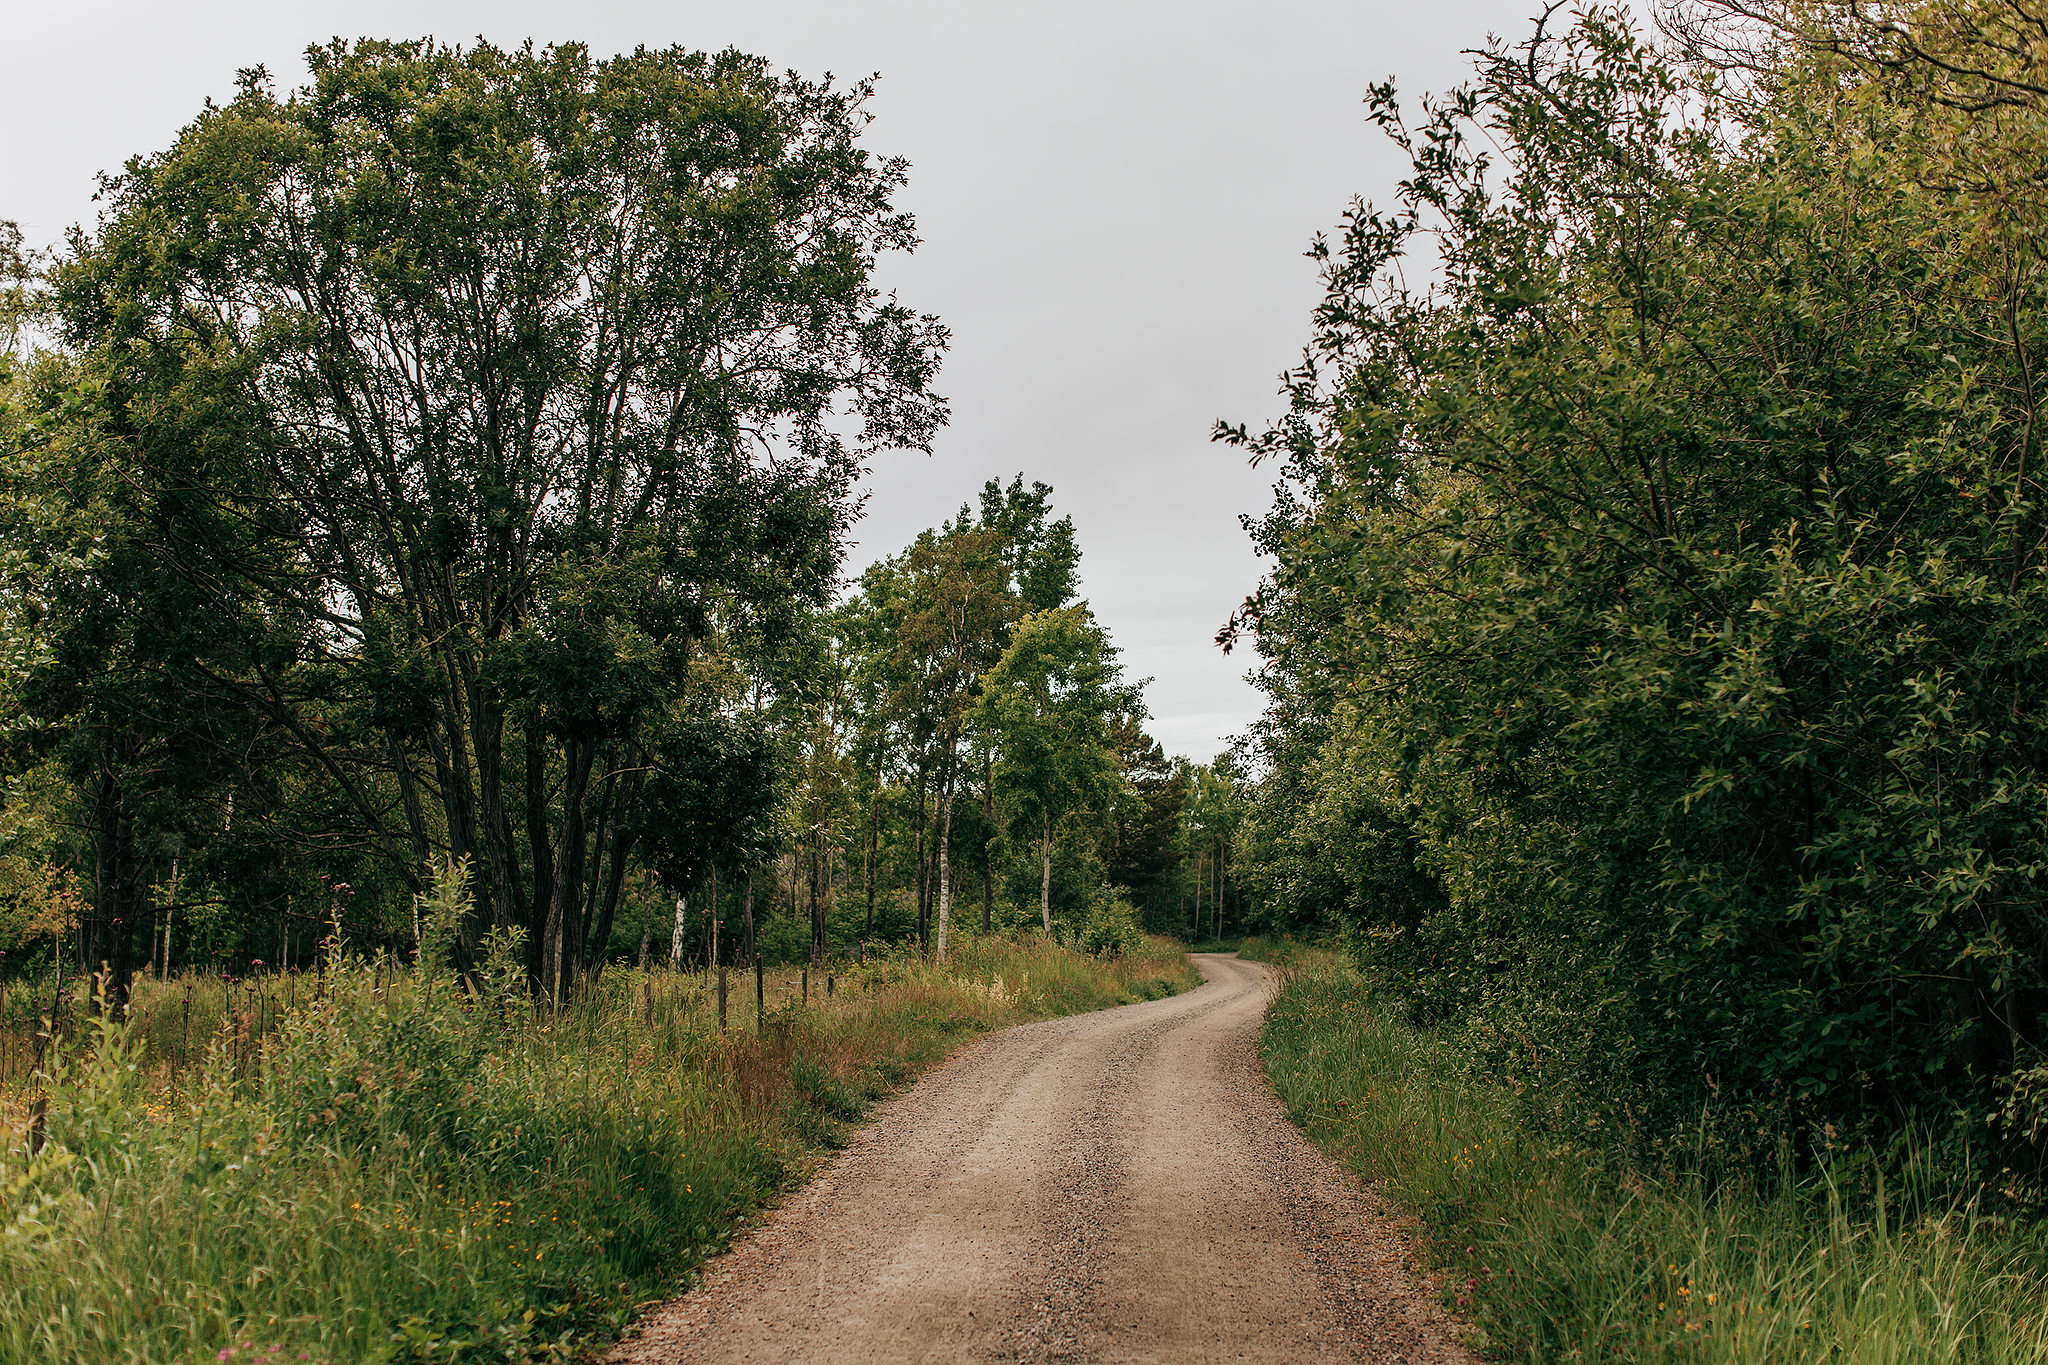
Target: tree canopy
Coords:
[(513, 401), (1654, 640), (1051, 706)]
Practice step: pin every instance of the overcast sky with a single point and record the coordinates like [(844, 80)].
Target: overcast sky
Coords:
[(1114, 198)]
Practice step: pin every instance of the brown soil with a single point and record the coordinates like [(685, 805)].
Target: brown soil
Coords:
[(1118, 1186)]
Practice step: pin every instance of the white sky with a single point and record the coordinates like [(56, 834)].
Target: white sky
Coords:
[(1114, 198)]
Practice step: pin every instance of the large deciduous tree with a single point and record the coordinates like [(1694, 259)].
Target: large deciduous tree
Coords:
[(528, 367)]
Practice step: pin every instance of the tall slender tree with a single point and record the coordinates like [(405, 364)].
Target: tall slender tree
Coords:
[(1050, 705)]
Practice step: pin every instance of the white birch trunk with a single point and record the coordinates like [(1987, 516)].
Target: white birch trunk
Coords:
[(945, 873), (1045, 872)]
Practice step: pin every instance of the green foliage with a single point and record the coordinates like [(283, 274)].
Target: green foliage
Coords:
[(1559, 1250), (453, 458), (475, 406), (1110, 927), (383, 1189), (954, 650), (396, 1169), (1140, 848), (1050, 706), (1658, 608)]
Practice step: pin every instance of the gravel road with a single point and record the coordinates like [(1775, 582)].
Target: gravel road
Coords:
[(1117, 1186)]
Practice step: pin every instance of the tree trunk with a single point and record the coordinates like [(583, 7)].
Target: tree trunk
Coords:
[(106, 940), (1219, 887), (501, 863), (988, 824), (170, 917), (1045, 870), (945, 865), (817, 851), (924, 921), (711, 939), (540, 845), (522, 916), (646, 929), (747, 911), (874, 834), (754, 953), (590, 883), (675, 942), (565, 918), (450, 743), (409, 797), (615, 869)]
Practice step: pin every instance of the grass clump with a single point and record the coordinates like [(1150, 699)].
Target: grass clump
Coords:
[(1562, 1250), (395, 1167)]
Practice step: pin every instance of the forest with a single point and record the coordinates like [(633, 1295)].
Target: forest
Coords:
[(454, 462), (1654, 649)]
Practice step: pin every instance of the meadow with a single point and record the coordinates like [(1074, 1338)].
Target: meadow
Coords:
[(374, 1162), (1560, 1248)]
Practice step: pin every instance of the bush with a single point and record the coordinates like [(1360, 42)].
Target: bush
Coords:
[(1110, 928), (1560, 1247), (1654, 652)]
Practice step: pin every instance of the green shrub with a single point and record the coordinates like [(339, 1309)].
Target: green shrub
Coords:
[(1564, 1248), (1110, 929), (1658, 606)]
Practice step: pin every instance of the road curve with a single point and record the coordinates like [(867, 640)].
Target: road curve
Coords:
[(1111, 1187)]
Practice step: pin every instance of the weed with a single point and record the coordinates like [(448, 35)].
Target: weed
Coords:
[(373, 1164)]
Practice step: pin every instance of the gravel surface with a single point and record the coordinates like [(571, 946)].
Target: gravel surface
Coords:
[(1112, 1187)]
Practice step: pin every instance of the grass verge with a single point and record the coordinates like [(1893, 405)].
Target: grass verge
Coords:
[(1563, 1252), (385, 1167)]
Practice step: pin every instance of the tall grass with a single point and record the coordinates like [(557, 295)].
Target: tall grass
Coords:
[(378, 1165), (1560, 1251)]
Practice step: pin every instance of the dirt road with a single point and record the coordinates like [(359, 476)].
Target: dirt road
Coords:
[(1118, 1186)]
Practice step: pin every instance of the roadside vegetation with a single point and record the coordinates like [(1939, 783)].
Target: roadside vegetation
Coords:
[(270, 647), (1559, 1246), (369, 1163), (1655, 651), (426, 468)]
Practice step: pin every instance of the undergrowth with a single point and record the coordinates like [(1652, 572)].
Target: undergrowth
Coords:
[(392, 1167), (1566, 1251)]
